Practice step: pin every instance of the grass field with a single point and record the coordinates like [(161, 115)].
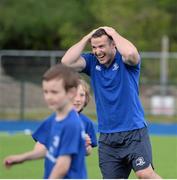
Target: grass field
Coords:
[(164, 152)]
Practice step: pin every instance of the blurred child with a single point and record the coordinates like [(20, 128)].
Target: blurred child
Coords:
[(80, 102), (61, 137)]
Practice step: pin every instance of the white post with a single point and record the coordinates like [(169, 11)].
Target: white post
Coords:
[(164, 65)]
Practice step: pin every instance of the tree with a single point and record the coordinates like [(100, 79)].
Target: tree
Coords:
[(57, 24), (140, 21), (47, 24)]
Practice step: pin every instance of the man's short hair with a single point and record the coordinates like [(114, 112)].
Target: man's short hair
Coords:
[(100, 32)]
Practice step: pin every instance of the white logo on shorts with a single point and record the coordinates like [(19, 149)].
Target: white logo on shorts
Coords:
[(140, 161)]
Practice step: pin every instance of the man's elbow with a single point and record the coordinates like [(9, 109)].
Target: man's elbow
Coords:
[(132, 58), (63, 61)]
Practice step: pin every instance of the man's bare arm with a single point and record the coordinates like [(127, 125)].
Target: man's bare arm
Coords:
[(72, 57), (126, 48)]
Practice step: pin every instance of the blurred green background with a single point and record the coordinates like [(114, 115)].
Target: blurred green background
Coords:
[(164, 158), (57, 24), (35, 34), (50, 27)]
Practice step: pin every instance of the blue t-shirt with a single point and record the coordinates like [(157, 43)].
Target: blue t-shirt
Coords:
[(44, 130), (66, 137), (116, 94), (89, 129)]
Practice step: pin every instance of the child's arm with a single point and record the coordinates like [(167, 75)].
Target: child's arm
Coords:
[(88, 150), (88, 144), (61, 167), (38, 152)]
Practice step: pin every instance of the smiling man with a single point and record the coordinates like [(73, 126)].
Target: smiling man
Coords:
[(114, 69)]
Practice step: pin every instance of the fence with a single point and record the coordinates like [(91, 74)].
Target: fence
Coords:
[(20, 83)]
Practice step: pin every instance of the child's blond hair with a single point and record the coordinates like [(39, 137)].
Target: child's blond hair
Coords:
[(86, 88)]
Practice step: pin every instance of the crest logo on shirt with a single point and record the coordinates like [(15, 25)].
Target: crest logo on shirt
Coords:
[(140, 161), (56, 140), (115, 67), (98, 68), (51, 149)]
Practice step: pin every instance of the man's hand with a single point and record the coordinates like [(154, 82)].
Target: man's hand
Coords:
[(88, 36), (109, 30)]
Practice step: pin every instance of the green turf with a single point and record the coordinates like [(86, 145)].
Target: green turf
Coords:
[(164, 152)]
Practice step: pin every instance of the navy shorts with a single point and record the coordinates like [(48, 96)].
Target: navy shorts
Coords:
[(121, 152)]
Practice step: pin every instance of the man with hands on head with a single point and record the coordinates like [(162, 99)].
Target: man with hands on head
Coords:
[(114, 70)]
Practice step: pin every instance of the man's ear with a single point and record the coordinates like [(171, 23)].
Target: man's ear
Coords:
[(113, 43)]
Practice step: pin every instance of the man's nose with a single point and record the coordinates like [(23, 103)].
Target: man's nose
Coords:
[(97, 52)]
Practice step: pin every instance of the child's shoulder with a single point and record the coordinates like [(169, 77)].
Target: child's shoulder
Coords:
[(73, 115), (73, 120), (50, 118), (84, 118)]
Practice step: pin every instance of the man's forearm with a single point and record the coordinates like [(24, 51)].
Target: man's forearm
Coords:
[(124, 46), (74, 52)]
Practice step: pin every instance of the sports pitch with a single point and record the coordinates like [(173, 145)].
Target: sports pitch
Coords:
[(164, 156)]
